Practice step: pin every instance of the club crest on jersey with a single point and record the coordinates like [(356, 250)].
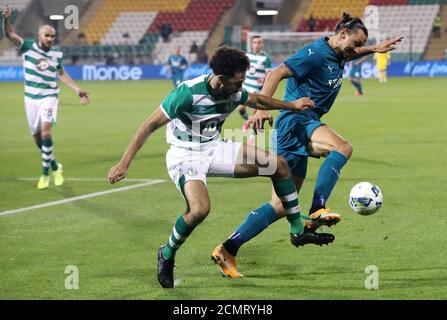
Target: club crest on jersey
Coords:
[(252, 70), (191, 172), (42, 64)]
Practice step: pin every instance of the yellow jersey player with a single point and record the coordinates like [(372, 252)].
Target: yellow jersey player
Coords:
[(382, 62)]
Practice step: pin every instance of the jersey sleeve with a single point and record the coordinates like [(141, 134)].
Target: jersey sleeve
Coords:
[(180, 99), (244, 97), (184, 61), (26, 45), (268, 63), (302, 63), (60, 62)]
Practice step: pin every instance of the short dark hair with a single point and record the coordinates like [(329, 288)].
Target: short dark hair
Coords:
[(350, 23), (256, 37), (228, 61)]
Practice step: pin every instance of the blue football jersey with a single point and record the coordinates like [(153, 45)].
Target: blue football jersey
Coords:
[(317, 73), (178, 64)]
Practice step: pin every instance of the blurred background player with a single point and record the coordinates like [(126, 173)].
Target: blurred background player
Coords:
[(178, 65), (382, 62), (42, 65), (260, 66), (356, 75), (437, 26)]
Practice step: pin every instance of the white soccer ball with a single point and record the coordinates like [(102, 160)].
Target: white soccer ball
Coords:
[(365, 198)]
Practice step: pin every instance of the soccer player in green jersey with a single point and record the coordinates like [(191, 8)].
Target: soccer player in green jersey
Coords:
[(260, 66), (195, 112), (42, 64)]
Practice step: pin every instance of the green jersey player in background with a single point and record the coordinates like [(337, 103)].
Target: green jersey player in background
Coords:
[(260, 66), (195, 113), (42, 64)]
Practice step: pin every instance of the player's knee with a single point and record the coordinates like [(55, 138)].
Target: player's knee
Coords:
[(345, 149), (46, 134), (199, 212), (282, 168)]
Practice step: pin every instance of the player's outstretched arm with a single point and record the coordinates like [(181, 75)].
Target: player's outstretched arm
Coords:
[(7, 29), (271, 83), (154, 122), (274, 78), (382, 47), (69, 82), (263, 102)]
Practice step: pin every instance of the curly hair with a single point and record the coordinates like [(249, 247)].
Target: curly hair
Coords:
[(228, 61), (350, 23)]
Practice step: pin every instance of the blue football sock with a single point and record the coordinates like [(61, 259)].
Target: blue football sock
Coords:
[(360, 87), (327, 178), (255, 223), (357, 85)]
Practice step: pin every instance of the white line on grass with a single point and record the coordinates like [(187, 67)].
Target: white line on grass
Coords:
[(77, 198), (79, 179)]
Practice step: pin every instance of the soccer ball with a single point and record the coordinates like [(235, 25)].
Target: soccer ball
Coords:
[(365, 198)]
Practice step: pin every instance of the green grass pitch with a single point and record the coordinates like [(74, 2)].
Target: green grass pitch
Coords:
[(398, 131)]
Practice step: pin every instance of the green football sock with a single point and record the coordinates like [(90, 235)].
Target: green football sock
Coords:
[(180, 232), (47, 156), (286, 191)]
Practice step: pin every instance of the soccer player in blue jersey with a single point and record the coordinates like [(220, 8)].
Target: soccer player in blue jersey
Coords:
[(315, 71), (178, 65), (355, 75)]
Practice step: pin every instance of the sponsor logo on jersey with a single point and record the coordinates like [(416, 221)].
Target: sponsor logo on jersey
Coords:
[(42, 64)]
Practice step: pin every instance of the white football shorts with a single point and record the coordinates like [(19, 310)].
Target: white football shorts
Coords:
[(216, 160), (40, 110)]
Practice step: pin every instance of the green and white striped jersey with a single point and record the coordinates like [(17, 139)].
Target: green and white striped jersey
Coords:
[(40, 69), (197, 117), (255, 76)]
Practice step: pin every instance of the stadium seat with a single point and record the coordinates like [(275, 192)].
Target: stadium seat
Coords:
[(396, 17)]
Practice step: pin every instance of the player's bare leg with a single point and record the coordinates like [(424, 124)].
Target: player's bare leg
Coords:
[(325, 142), (197, 209)]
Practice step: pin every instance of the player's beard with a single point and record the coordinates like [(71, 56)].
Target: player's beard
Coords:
[(348, 53), (45, 46), (222, 94)]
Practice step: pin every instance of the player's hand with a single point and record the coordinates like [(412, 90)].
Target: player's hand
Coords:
[(258, 120), (117, 173), (6, 11), (388, 45), (302, 104), (84, 97)]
